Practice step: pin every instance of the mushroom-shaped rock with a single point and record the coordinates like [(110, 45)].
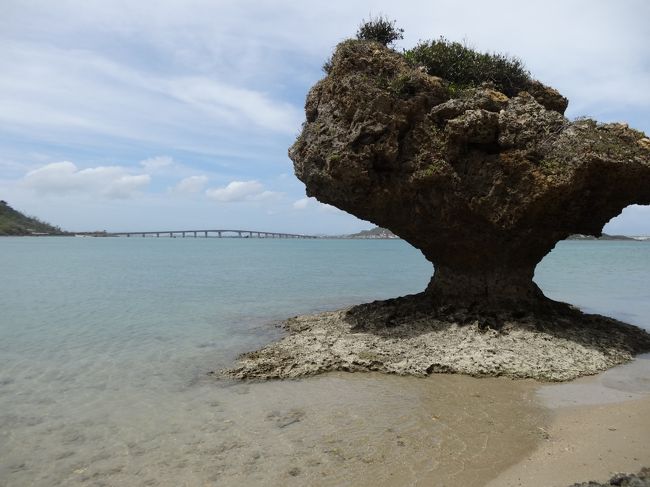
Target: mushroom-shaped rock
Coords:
[(482, 183)]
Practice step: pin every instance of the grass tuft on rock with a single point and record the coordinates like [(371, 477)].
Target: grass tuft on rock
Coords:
[(380, 29)]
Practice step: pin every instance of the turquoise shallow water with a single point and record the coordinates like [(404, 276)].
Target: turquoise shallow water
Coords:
[(105, 343), (606, 277), (65, 298)]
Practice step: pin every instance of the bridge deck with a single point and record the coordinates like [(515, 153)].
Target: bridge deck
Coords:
[(205, 233)]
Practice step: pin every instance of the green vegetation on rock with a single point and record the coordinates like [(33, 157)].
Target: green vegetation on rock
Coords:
[(458, 64), (13, 222), (464, 67)]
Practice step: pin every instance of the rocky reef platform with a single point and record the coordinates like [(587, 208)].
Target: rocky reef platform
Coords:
[(401, 336)]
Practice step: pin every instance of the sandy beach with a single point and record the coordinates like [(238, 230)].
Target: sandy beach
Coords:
[(598, 427), (586, 443)]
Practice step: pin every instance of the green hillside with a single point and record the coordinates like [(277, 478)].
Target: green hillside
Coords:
[(13, 222)]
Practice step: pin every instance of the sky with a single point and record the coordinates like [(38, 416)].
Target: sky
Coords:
[(160, 114)]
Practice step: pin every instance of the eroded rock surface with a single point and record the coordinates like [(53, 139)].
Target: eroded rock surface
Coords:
[(386, 337), (482, 183)]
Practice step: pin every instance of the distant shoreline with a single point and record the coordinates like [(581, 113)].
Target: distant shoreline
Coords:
[(573, 238)]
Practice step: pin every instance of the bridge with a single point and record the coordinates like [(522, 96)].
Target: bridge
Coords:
[(220, 233)]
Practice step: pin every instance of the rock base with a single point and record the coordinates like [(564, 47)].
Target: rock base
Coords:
[(400, 337), (642, 479)]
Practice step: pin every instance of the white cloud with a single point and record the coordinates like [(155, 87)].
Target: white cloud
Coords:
[(60, 178), (236, 191), (155, 163), (125, 186), (302, 203), (192, 184), (235, 105), (269, 196), (329, 208), (309, 203), (90, 94), (241, 191)]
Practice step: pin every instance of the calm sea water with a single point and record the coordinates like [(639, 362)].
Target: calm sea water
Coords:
[(105, 344)]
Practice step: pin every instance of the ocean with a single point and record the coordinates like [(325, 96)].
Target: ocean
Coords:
[(106, 345)]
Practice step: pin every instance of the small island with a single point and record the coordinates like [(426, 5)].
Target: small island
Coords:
[(374, 233)]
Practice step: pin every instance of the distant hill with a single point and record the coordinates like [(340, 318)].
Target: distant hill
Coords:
[(379, 232), (604, 236), (376, 232), (13, 222)]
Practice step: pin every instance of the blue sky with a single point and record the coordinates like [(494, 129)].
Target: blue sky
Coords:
[(141, 115)]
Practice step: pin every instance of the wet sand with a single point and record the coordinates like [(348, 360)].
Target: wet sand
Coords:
[(371, 429), (599, 426), (337, 429), (586, 443), (343, 429), (361, 430)]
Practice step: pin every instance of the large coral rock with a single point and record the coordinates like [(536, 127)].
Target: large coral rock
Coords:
[(483, 184)]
